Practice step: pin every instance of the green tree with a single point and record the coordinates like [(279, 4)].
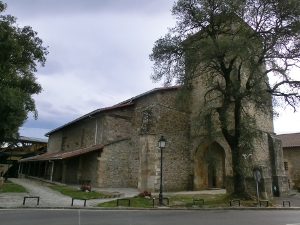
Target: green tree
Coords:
[(232, 46), (20, 52)]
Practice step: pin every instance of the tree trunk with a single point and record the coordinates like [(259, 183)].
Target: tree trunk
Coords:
[(238, 177)]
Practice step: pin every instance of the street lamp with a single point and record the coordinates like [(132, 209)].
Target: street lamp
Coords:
[(161, 144)]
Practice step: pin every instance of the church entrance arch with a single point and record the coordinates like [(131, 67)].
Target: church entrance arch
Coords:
[(210, 167)]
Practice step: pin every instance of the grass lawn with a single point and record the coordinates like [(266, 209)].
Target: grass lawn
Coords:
[(75, 193), (212, 201), (11, 187)]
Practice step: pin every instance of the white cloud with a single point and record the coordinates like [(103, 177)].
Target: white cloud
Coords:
[(287, 122)]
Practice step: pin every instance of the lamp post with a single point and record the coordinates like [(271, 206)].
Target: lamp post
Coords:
[(161, 144)]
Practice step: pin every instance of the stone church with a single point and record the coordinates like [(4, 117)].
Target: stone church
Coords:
[(118, 147)]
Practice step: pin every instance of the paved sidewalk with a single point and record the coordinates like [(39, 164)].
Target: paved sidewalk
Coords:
[(294, 198)]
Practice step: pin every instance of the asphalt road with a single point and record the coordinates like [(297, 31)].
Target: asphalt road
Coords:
[(149, 217)]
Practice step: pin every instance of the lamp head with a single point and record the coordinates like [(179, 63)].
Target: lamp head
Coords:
[(162, 142)]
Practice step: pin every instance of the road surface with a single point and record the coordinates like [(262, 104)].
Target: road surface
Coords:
[(149, 217)]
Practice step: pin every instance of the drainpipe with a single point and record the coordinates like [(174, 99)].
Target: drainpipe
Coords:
[(96, 129), (51, 175)]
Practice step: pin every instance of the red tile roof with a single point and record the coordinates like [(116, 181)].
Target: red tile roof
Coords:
[(290, 140), (62, 154)]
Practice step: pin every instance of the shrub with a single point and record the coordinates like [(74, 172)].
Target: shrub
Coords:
[(145, 193), (86, 187)]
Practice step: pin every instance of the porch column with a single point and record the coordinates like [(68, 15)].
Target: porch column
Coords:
[(28, 171), (79, 171), (34, 169), (45, 172), (39, 169), (64, 170), (52, 169)]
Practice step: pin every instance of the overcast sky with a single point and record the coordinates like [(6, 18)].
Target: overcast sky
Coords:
[(99, 56)]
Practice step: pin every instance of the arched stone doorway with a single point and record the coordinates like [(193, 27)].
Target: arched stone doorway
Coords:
[(210, 167)]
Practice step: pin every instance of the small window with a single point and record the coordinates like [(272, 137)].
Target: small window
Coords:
[(286, 166)]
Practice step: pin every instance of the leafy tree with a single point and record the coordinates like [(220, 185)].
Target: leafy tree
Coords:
[(20, 51), (232, 47)]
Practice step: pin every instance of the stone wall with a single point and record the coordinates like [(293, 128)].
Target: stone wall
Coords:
[(156, 116), (79, 135), (135, 162), (131, 157), (116, 124), (57, 175), (260, 154), (114, 166), (89, 167), (175, 127), (54, 142), (292, 166), (72, 170), (280, 180), (148, 162), (220, 152)]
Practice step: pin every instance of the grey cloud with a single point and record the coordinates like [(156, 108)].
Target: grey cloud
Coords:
[(52, 67), (42, 123), (98, 52), (37, 8)]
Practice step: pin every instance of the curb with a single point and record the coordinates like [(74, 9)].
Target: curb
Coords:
[(154, 208)]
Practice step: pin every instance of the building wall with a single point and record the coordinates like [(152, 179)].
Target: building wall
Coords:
[(79, 135), (89, 167), (124, 131), (131, 157), (114, 166), (54, 142), (154, 116), (71, 170), (292, 167), (117, 158), (57, 175), (261, 151), (175, 127)]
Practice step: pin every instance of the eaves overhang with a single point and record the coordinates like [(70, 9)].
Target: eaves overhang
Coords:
[(291, 140), (62, 155)]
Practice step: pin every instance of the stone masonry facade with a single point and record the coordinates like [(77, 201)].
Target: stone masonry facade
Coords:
[(130, 156), (292, 166)]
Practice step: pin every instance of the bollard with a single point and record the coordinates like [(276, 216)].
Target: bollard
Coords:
[(78, 199)]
